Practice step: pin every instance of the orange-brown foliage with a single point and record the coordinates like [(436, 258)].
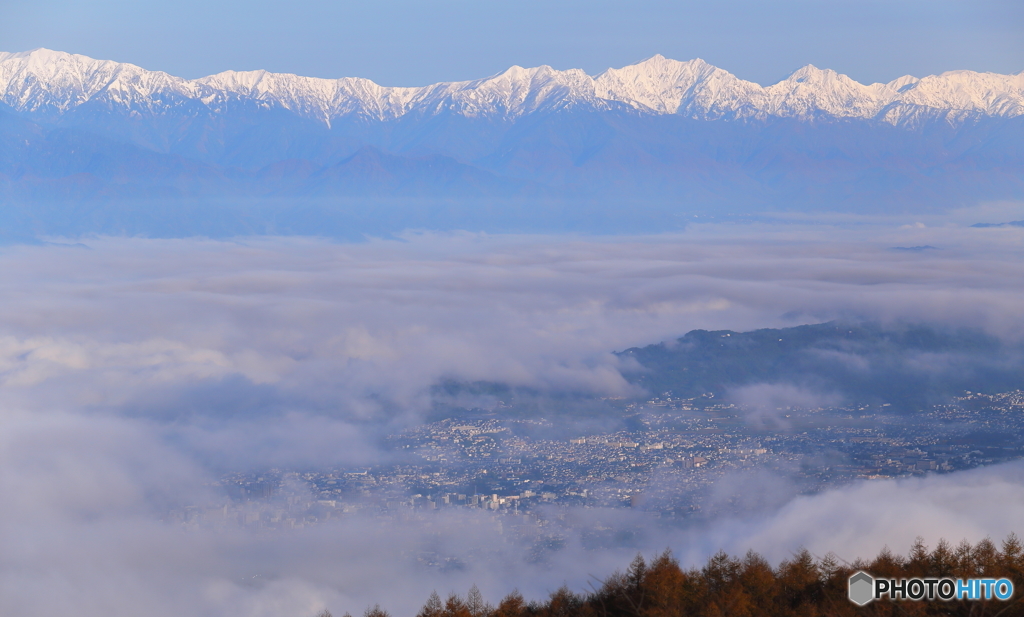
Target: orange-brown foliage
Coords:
[(802, 586)]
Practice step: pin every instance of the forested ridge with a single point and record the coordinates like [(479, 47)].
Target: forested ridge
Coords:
[(748, 586)]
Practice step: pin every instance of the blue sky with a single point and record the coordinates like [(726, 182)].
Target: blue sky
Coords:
[(415, 42)]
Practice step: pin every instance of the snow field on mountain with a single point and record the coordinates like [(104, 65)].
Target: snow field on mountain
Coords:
[(52, 83)]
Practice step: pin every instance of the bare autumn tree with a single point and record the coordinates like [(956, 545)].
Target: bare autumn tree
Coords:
[(475, 603), (376, 611), (1012, 558), (942, 559), (433, 607), (918, 560)]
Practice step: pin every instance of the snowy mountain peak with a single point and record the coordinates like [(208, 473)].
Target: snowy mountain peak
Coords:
[(50, 83), (520, 90), (811, 91), (661, 85), (53, 82), (235, 81), (659, 64), (901, 83), (813, 74)]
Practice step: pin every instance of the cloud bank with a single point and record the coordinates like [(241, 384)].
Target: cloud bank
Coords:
[(133, 371)]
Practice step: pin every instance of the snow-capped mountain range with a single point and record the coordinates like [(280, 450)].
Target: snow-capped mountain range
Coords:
[(49, 83), (99, 146)]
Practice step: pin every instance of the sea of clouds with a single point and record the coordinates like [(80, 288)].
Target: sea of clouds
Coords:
[(134, 371)]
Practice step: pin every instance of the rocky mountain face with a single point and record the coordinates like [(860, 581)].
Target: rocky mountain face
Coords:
[(49, 84), (545, 148)]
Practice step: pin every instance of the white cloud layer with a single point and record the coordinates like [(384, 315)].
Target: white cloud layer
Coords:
[(131, 368)]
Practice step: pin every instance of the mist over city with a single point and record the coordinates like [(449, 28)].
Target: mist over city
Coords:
[(221, 442)]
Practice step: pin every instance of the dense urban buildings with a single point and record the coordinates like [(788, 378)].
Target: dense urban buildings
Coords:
[(666, 462)]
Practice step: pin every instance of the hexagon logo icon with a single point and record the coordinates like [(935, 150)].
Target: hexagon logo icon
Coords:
[(861, 588)]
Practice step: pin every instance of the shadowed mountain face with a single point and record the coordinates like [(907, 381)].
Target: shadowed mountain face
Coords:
[(900, 369), (92, 146), (907, 366)]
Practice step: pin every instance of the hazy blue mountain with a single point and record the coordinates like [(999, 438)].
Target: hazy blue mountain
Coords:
[(896, 368), (90, 145), (907, 366)]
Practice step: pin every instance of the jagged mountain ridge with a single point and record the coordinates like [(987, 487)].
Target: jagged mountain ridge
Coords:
[(90, 146), (48, 84)]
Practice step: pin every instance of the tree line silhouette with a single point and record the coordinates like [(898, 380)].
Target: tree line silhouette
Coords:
[(748, 586)]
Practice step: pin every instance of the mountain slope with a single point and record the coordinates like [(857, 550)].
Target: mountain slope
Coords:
[(861, 363), (642, 147), (51, 83)]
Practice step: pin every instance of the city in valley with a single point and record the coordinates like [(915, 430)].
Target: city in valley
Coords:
[(670, 458)]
